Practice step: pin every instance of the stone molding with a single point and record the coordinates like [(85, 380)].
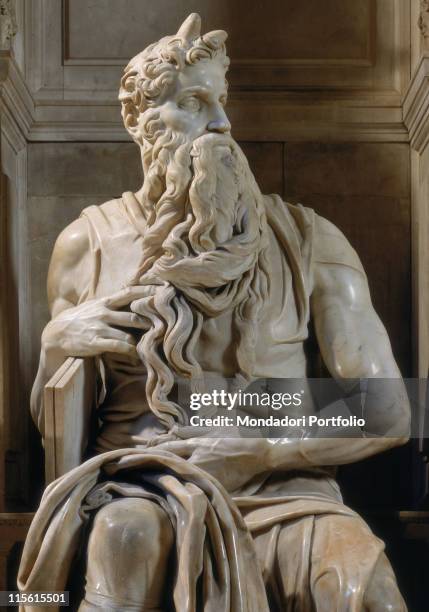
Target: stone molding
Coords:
[(285, 118), (16, 103), (416, 106), (16, 119), (291, 116)]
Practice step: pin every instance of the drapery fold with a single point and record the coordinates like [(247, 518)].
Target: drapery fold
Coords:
[(213, 543)]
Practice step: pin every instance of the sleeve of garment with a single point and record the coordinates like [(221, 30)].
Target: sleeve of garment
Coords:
[(332, 247)]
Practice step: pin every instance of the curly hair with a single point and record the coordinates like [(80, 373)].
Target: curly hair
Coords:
[(149, 75)]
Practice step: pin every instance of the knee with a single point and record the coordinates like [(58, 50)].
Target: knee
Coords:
[(133, 523), (128, 554)]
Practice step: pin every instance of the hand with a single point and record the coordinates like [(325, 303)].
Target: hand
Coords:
[(92, 327), (232, 461)]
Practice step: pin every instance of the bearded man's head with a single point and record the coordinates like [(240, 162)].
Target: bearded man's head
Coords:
[(177, 85), (205, 235)]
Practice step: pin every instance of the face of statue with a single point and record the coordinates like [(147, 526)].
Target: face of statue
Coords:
[(196, 104)]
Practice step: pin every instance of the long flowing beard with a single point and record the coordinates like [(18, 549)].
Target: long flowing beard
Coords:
[(204, 254)]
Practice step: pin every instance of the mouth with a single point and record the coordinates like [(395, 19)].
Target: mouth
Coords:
[(215, 141)]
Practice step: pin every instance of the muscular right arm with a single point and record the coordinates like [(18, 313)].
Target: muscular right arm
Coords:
[(80, 328), (67, 276)]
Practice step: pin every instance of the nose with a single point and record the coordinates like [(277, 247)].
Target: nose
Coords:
[(219, 122)]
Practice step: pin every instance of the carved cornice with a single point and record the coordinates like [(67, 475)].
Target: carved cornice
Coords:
[(16, 103), (257, 116), (416, 106), (8, 25)]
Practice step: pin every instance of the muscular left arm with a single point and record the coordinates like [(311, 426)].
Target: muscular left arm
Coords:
[(354, 344)]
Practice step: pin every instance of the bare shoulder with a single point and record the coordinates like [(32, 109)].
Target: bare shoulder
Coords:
[(332, 248), (72, 242), (68, 269)]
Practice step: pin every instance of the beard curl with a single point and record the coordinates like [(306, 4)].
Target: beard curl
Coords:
[(204, 254)]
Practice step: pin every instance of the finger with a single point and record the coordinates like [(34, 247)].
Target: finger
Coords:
[(114, 346), (125, 319), (127, 295), (111, 333)]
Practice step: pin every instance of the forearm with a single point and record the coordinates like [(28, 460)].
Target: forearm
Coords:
[(235, 461), (294, 454)]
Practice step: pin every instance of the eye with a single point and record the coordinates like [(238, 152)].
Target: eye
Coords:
[(191, 104), (223, 100)]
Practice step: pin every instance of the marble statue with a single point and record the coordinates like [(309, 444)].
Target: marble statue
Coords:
[(200, 274)]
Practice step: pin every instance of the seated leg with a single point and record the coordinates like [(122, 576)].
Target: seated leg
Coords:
[(128, 552), (327, 563), (382, 593), (349, 568)]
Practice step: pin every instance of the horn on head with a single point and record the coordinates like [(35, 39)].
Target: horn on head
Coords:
[(215, 39), (190, 28)]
